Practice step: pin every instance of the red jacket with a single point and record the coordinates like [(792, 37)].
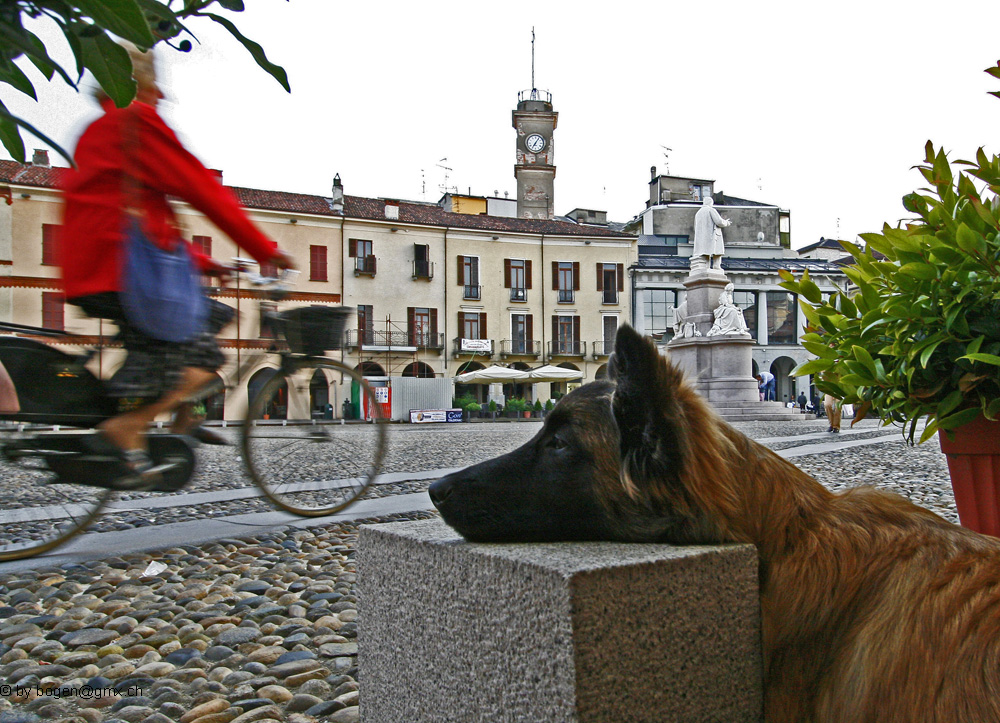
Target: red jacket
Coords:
[(90, 247)]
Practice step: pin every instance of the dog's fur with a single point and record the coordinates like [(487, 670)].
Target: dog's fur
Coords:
[(873, 609)]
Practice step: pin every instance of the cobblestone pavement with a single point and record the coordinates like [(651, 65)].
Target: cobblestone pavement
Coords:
[(263, 628)]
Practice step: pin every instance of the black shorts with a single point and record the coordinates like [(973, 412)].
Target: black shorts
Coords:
[(152, 366)]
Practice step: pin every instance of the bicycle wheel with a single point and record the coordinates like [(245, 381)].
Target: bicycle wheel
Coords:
[(307, 466), (40, 512)]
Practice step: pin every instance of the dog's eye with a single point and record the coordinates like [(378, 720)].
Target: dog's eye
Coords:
[(557, 442)]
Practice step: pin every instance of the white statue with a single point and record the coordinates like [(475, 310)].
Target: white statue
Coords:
[(708, 245), (682, 327), (728, 317)]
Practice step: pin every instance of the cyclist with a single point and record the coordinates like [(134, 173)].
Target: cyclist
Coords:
[(130, 161)]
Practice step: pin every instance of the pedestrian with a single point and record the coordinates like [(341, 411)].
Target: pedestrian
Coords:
[(803, 401), (832, 406), (767, 384)]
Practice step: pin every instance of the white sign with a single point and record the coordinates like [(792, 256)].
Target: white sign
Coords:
[(381, 394), (426, 416), (477, 345)]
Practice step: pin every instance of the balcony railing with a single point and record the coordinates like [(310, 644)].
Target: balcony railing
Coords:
[(476, 347), (602, 348), (520, 347), (567, 348), (403, 339), (364, 265), (423, 269), (472, 291), (566, 296), (518, 294)]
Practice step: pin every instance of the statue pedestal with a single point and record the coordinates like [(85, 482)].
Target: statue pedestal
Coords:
[(721, 367)]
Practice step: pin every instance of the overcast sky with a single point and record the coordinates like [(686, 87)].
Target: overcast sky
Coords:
[(821, 109)]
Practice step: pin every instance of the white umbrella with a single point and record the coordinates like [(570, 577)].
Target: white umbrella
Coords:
[(492, 375), (551, 373)]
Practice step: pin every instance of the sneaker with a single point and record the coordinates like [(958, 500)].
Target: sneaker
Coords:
[(207, 436), (835, 431), (829, 429)]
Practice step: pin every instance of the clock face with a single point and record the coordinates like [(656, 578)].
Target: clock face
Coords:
[(534, 143)]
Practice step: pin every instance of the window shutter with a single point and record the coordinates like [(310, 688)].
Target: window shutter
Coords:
[(576, 329), (555, 275), (352, 248), (482, 326), (506, 273), (576, 276), (600, 277), (529, 332), (434, 322), (461, 271), (527, 274), (411, 325), (621, 276), (555, 330)]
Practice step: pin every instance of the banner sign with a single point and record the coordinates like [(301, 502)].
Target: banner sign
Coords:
[(426, 416), (485, 345)]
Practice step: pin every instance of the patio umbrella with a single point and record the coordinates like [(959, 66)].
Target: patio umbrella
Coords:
[(494, 374), (550, 373)]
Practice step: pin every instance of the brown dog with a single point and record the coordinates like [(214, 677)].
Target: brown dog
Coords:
[(873, 609)]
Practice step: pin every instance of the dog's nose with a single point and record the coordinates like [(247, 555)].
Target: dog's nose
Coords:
[(440, 491)]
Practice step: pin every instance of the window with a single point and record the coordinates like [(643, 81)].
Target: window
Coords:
[(473, 325), (422, 267), (362, 252), (659, 245), (53, 316), (781, 318), (50, 244), (610, 324), (266, 327), (566, 335), (366, 324), (317, 263), (747, 300), (658, 311), (269, 271), (610, 280), (468, 277), (422, 326), (203, 244), (521, 334), (517, 278), (566, 279)]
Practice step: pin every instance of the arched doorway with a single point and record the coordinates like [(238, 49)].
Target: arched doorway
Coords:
[(476, 391), (560, 389), (418, 370), (520, 390), (368, 369), (277, 408), (215, 405), (784, 382), (602, 372), (319, 395)]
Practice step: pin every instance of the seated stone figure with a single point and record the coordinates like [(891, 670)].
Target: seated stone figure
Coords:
[(728, 317)]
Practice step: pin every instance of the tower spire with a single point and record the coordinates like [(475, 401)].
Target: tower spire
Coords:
[(533, 86)]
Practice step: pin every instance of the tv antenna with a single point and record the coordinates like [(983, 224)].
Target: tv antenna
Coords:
[(666, 159), (447, 170)]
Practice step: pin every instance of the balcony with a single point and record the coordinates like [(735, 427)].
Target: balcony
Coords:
[(423, 270), (601, 348), (520, 347), (364, 266), (472, 347), (567, 348), (566, 296), (472, 292), (518, 294), (395, 340)]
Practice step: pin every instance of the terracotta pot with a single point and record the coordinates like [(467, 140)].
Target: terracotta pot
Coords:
[(974, 464)]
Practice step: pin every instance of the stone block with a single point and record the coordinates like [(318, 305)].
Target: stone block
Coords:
[(584, 632)]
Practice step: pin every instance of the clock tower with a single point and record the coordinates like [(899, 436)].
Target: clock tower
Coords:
[(534, 168)]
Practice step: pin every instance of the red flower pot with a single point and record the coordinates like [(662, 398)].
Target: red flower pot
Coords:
[(974, 464)]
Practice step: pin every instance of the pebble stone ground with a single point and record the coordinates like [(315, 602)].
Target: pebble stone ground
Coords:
[(263, 628)]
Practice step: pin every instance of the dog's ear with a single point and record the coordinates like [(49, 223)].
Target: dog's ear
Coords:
[(648, 407)]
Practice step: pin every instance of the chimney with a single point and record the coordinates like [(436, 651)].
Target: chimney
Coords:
[(652, 173), (337, 204), (392, 210), (217, 173), (40, 158)]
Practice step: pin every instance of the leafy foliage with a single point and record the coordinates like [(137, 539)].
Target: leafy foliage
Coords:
[(88, 26), (921, 336)]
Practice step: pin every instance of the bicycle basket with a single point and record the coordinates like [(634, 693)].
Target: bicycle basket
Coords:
[(313, 330)]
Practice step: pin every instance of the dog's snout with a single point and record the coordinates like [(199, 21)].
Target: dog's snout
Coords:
[(441, 490)]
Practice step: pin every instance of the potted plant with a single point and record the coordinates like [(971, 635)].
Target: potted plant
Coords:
[(920, 338), (538, 409), (474, 408), (549, 405), (515, 407), (493, 409)]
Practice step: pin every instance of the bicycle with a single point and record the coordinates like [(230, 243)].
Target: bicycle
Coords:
[(56, 485)]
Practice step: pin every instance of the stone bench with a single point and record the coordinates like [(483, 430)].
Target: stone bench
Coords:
[(595, 632)]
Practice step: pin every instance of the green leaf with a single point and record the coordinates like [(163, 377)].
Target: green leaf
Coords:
[(15, 77), (967, 239), (124, 18), (862, 355), (24, 41), (110, 64), (11, 138), (919, 271), (276, 71), (959, 418), (812, 366), (928, 351), (984, 358), (819, 349), (947, 255), (9, 123), (950, 403)]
